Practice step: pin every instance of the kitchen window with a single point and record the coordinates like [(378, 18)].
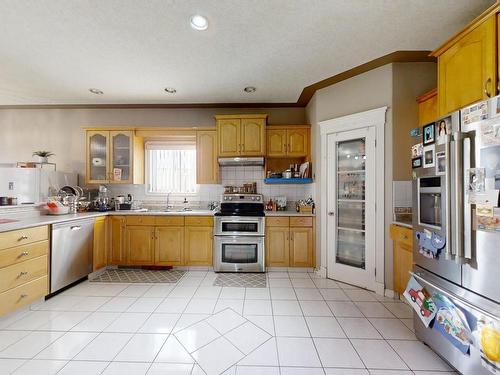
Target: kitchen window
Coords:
[(171, 167)]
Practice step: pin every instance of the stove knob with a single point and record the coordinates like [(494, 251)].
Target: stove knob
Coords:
[(225, 198), (258, 198), (253, 198), (230, 198)]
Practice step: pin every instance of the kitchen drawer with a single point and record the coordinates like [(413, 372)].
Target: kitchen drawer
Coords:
[(278, 221), (199, 221), (22, 253), (21, 273), (23, 236), (140, 220), (403, 235), (170, 220), (301, 221), (23, 295)]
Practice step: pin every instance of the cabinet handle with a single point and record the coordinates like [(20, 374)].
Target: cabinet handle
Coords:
[(488, 94), (23, 273), (24, 254), (23, 237), (23, 295), (285, 146), (291, 236)]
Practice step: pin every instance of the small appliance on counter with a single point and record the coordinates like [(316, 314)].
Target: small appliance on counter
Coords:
[(122, 203)]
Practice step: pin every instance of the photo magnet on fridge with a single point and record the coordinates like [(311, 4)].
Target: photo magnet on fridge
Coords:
[(421, 301), (416, 162), (443, 128), (429, 156), (417, 150), (428, 134), (440, 163)]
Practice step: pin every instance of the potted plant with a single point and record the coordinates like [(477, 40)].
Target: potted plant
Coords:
[(43, 156)]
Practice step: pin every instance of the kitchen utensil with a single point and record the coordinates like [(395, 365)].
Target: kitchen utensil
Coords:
[(287, 174)]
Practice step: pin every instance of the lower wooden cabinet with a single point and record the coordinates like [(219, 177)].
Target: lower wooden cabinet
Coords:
[(402, 238), (169, 246), (277, 247), (100, 254), (140, 244), (117, 240), (289, 241), (24, 264), (198, 244), (301, 243)]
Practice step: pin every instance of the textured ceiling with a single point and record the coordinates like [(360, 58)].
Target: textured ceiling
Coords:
[(52, 52)]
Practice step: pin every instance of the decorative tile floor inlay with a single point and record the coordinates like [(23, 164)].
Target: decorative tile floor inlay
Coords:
[(132, 275), (242, 280)]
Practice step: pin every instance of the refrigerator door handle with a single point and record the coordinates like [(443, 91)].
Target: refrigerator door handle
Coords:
[(467, 252), (458, 200), (448, 249)]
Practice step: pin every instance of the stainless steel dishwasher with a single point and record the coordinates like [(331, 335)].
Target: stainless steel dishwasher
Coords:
[(71, 255)]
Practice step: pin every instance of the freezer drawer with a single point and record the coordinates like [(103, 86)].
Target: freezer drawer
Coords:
[(475, 305)]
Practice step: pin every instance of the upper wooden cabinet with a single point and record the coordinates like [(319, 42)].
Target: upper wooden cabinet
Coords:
[(288, 141), (207, 167), (241, 135), (427, 107), (114, 156), (467, 65)]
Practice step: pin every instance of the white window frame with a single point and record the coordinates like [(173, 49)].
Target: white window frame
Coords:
[(168, 145)]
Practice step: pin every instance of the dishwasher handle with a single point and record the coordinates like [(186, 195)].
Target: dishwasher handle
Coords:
[(75, 227)]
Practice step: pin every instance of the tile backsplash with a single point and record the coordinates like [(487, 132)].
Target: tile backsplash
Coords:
[(229, 176)]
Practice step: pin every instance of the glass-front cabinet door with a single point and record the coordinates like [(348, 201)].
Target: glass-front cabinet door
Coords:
[(98, 157), (121, 156)]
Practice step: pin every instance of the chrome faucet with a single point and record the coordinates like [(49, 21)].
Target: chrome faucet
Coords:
[(168, 201)]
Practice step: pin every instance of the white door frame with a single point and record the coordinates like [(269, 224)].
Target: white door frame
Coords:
[(372, 118)]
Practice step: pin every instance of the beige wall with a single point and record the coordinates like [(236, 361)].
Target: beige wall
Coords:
[(60, 130), (373, 89), (367, 91), (410, 80)]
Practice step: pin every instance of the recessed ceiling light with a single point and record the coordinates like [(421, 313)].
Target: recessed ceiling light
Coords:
[(249, 89), (96, 91), (199, 22), (170, 90)]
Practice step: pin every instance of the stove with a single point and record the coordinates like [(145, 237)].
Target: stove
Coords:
[(239, 234)]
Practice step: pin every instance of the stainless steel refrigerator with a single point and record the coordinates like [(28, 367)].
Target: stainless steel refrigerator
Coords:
[(455, 209)]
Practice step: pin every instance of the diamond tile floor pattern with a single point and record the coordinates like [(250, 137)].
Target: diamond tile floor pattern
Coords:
[(299, 325)]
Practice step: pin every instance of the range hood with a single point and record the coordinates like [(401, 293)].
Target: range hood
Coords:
[(241, 161)]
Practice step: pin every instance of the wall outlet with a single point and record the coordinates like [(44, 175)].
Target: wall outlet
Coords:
[(11, 186)]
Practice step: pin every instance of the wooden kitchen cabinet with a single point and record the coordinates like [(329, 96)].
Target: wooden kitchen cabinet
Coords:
[(140, 244), (288, 141), (467, 66), (253, 136), (114, 150), (277, 247), (100, 255), (207, 166), (116, 240), (24, 265), (427, 107), (301, 242), (290, 241), (198, 244), (241, 135), (402, 238), (169, 246)]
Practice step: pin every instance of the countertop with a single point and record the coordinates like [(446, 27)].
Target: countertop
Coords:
[(400, 223), (34, 221), (287, 213)]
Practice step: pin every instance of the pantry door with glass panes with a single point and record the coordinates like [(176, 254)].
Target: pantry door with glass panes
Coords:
[(351, 207)]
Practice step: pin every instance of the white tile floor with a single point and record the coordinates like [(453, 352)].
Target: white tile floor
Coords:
[(299, 325)]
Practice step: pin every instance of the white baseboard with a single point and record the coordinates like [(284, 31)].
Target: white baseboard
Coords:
[(379, 288)]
